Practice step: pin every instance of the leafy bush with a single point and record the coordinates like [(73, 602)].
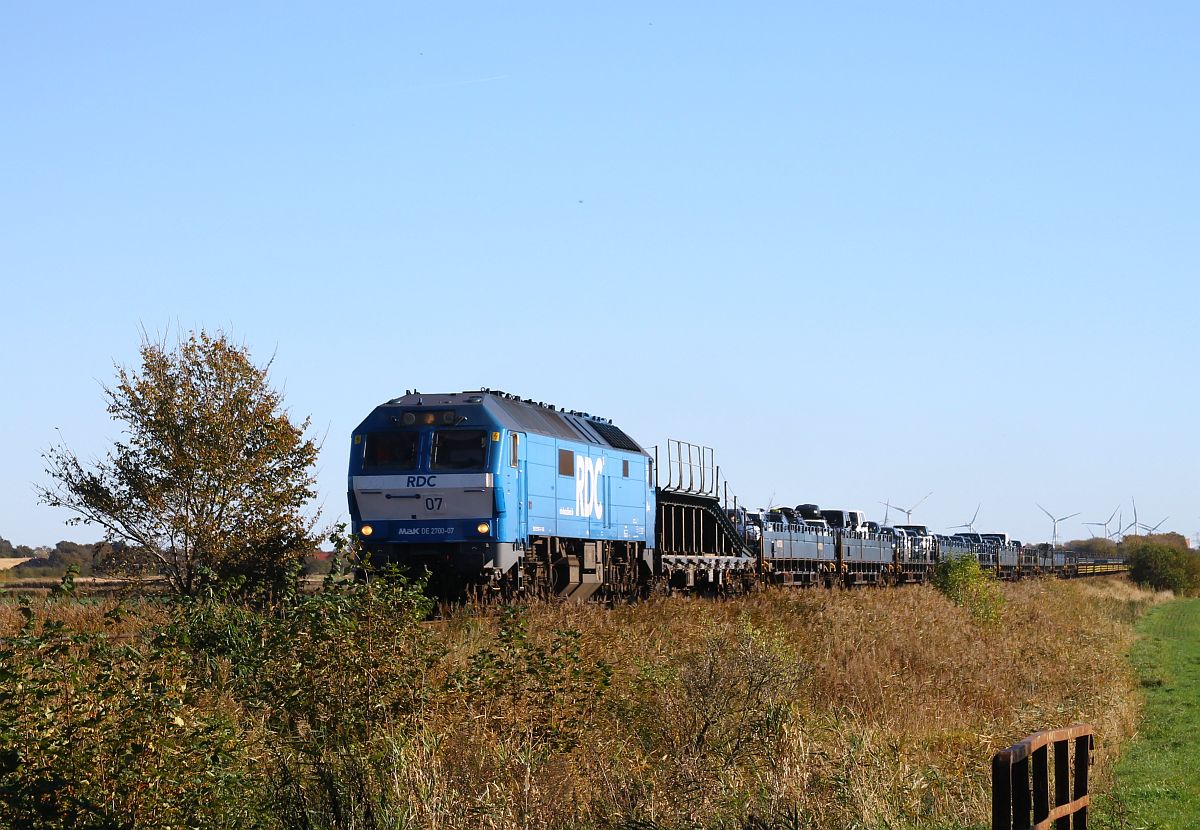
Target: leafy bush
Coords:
[(1157, 563), (332, 678), (965, 583), (229, 716), (97, 732)]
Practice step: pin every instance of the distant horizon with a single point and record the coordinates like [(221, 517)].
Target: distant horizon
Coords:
[(322, 546)]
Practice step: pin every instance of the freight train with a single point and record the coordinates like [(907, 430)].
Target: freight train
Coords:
[(495, 494)]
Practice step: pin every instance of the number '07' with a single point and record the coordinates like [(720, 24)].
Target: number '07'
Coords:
[(433, 503)]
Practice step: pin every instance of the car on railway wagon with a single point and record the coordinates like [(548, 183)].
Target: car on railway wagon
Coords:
[(849, 520), (484, 488), (920, 538)]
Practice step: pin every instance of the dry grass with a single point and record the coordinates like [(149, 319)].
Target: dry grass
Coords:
[(871, 708), (86, 615), (832, 709)]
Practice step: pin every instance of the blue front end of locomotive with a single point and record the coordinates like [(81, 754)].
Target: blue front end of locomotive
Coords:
[(432, 484)]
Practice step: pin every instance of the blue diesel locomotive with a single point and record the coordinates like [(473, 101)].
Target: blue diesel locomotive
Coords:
[(487, 490)]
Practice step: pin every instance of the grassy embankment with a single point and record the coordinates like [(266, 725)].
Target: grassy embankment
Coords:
[(870, 709), (1158, 775)]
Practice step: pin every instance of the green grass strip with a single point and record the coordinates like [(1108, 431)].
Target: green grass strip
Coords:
[(1158, 775)]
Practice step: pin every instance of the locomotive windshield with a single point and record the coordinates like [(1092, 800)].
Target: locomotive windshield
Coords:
[(391, 449), (459, 449)]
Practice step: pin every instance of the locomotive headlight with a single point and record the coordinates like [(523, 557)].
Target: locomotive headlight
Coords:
[(483, 528), (366, 530)]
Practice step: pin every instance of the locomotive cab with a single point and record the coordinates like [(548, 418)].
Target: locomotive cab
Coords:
[(429, 486)]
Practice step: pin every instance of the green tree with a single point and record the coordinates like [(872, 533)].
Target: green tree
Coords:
[(1163, 562), (1175, 541), (1095, 546), (210, 476)]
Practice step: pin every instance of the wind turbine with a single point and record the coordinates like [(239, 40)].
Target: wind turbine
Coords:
[(1056, 521), (971, 524), (1105, 523), (909, 511), (886, 512), (1150, 530), (1119, 533)]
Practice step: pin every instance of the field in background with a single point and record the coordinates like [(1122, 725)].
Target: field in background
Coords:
[(829, 709)]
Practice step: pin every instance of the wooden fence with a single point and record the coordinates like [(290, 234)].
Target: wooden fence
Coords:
[(1022, 777)]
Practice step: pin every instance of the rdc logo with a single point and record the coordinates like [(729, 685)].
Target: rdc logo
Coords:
[(587, 493)]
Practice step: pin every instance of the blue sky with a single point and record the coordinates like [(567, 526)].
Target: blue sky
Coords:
[(863, 250)]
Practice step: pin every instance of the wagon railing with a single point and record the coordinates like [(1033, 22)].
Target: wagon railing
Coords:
[(1022, 776), (688, 468)]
